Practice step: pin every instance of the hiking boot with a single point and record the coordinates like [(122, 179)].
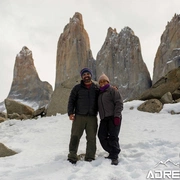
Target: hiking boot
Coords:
[(72, 161), (114, 162), (89, 159)]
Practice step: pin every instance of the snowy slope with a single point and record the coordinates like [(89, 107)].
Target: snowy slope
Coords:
[(145, 139)]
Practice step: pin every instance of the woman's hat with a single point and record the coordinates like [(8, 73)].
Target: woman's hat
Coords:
[(103, 77)]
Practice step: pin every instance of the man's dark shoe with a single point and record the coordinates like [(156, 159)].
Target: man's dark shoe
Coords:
[(114, 162), (89, 159), (72, 161)]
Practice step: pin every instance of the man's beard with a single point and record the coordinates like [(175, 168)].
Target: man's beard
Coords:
[(87, 79)]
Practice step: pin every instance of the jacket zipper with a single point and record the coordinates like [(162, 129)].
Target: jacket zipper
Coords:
[(102, 105)]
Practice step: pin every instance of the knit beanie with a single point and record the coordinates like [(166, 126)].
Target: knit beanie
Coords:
[(103, 77), (85, 70)]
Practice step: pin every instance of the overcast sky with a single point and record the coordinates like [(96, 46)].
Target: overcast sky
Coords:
[(38, 25)]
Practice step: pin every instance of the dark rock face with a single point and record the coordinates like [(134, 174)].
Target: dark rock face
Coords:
[(168, 53), (59, 100), (121, 60), (26, 85)]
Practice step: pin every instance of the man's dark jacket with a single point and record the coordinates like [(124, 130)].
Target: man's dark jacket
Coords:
[(83, 101)]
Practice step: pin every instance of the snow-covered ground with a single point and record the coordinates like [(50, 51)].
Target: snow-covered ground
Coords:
[(150, 144)]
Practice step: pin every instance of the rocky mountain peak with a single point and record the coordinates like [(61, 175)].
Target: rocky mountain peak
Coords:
[(76, 22), (73, 52), (77, 18), (121, 60), (24, 52), (175, 19), (127, 31), (111, 35), (168, 53), (111, 32), (26, 85)]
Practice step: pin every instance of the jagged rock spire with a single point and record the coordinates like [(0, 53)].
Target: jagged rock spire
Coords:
[(73, 51), (73, 54), (26, 85), (121, 60), (168, 53)]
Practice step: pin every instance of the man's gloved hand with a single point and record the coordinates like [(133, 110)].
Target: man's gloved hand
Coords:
[(117, 121)]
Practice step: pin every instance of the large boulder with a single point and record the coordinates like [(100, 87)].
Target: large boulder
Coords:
[(168, 83), (2, 119), (4, 115), (167, 98), (151, 106), (13, 106), (176, 94), (5, 151)]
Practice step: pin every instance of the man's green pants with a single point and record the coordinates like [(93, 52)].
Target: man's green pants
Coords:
[(81, 123)]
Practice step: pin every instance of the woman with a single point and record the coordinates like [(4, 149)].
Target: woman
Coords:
[(110, 106)]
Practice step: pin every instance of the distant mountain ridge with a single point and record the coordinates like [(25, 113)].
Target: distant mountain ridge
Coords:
[(120, 58)]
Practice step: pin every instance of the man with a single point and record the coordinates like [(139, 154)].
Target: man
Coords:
[(82, 110)]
